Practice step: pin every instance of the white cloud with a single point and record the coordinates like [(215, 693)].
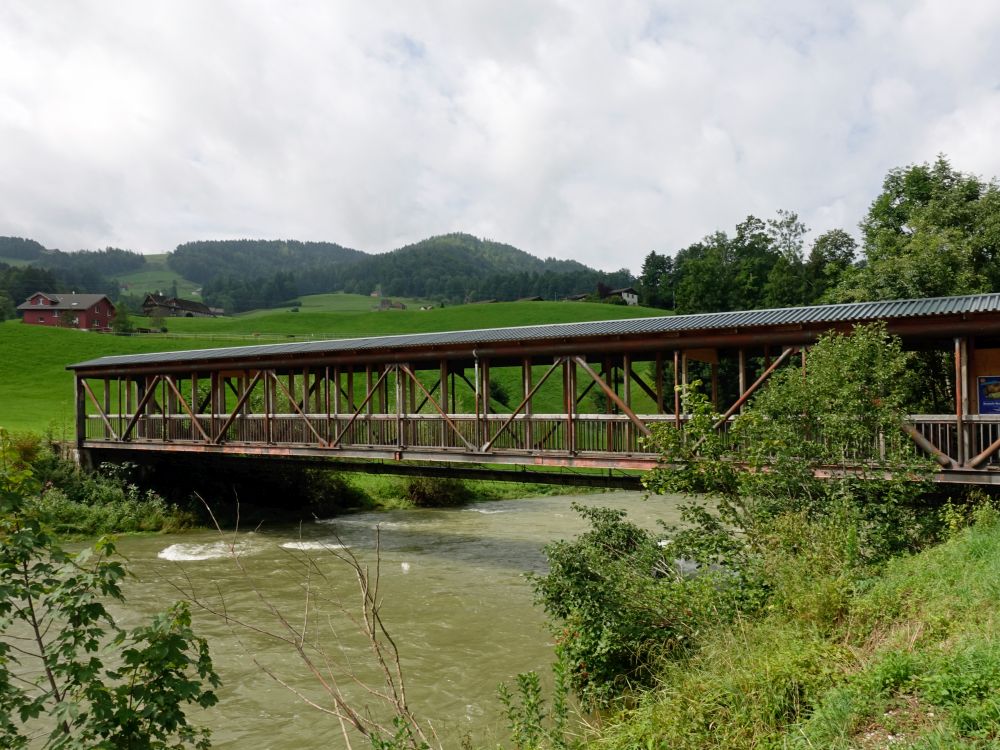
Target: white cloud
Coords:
[(593, 130)]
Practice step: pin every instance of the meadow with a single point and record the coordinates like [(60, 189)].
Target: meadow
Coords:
[(157, 275), (36, 391)]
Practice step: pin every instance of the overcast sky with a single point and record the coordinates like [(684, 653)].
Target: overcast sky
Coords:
[(580, 129)]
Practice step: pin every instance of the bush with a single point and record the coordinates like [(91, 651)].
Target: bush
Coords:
[(618, 604), (434, 492), (160, 669), (106, 501)]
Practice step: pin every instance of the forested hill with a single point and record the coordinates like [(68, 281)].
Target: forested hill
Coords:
[(26, 267), (248, 274), (204, 261), (452, 267)]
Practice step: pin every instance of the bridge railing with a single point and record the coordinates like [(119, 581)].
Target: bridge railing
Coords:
[(556, 433), (584, 433)]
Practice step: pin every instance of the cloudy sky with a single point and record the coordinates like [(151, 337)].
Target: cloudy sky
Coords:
[(578, 129)]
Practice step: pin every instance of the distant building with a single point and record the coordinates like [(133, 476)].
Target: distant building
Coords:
[(384, 303), (92, 312), (174, 307), (630, 295)]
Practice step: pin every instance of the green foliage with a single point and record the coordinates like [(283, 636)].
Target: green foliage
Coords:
[(617, 603), (20, 248), (71, 502), (122, 321), (762, 265), (745, 688), (7, 307), (839, 417), (531, 725), (913, 662), (243, 275), (68, 672), (402, 739), (933, 231), (807, 493), (433, 492)]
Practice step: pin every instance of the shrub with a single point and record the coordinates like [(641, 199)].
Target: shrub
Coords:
[(618, 604), (161, 669), (434, 492)]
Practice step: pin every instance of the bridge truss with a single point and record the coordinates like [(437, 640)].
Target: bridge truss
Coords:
[(434, 397)]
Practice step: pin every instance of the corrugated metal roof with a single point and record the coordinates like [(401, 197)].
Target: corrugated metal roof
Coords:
[(741, 319)]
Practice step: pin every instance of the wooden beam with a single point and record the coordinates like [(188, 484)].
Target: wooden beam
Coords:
[(942, 458), (239, 406), (614, 396), (657, 397), (524, 402), (437, 407), (756, 384), (295, 406), (101, 413), (150, 390), (194, 420), (336, 441), (959, 402)]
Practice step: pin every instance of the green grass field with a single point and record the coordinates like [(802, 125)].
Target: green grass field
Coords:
[(36, 391), (157, 276)]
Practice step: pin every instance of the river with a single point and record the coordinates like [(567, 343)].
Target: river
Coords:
[(454, 595)]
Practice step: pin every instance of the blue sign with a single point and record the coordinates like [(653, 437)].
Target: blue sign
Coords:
[(989, 394)]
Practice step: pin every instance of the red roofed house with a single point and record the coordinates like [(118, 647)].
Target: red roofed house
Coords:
[(85, 311)]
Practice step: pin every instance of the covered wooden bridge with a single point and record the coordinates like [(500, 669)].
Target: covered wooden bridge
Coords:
[(565, 395)]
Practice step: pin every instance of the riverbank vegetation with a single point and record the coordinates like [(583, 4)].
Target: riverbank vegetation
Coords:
[(81, 504), (119, 498), (70, 676), (853, 611)]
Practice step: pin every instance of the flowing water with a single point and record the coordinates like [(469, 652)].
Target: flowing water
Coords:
[(454, 596)]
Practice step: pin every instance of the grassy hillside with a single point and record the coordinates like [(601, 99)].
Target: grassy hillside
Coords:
[(913, 662), (36, 390), (158, 276), (314, 318)]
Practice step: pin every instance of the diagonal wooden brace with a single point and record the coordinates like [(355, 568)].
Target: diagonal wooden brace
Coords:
[(613, 396), (942, 458), (642, 384), (140, 406), (194, 420), (520, 406), (756, 384), (271, 374), (976, 461), (336, 441), (427, 397), (239, 405), (100, 410)]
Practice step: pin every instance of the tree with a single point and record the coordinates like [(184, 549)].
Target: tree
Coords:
[(843, 415), (7, 308), (932, 231), (58, 670), (122, 323), (656, 281), (832, 255)]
